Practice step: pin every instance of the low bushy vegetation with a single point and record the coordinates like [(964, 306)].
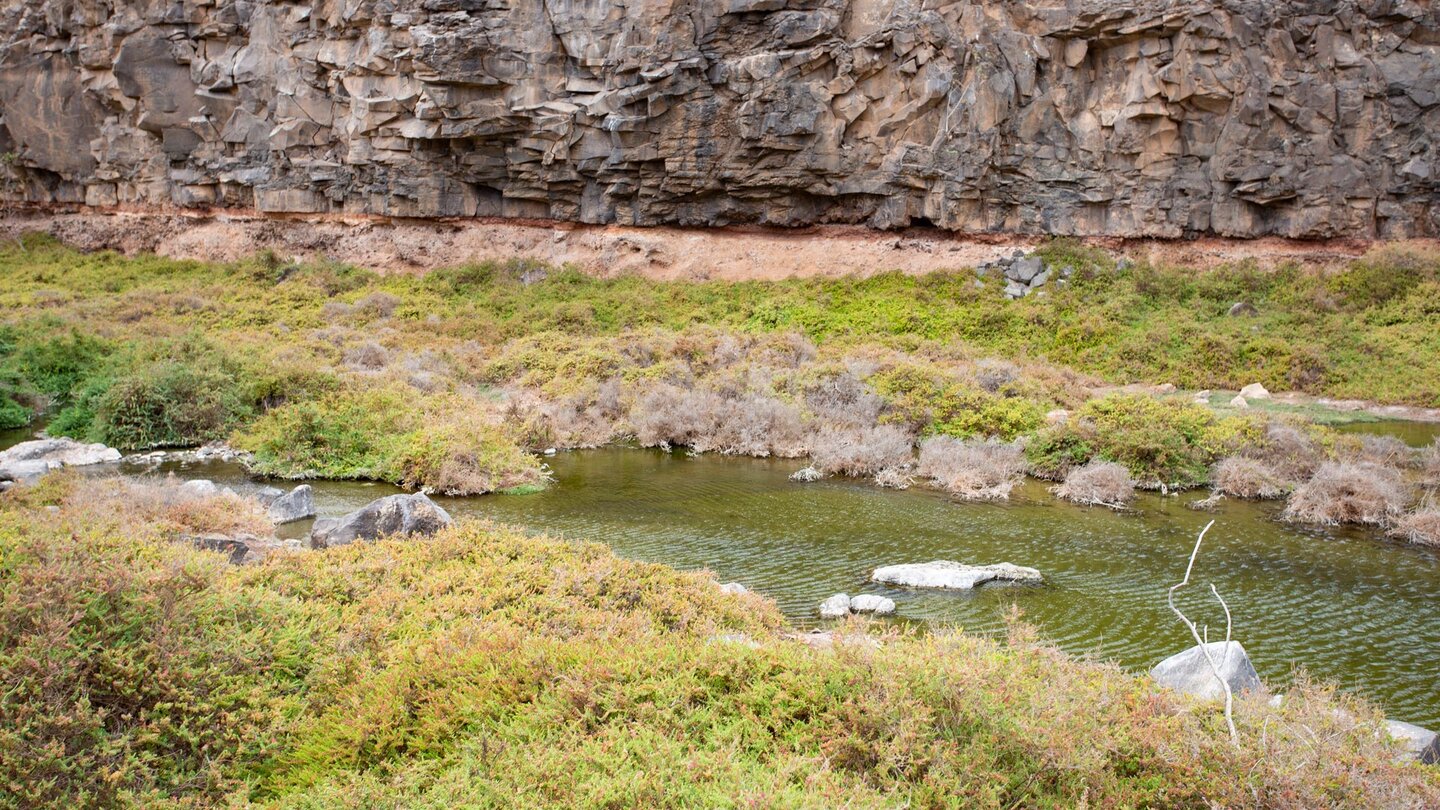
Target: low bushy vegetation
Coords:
[(1241, 477), (1421, 526), (444, 381), (972, 470), (439, 443), (1161, 442), (488, 667), (1349, 492), (1099, 483)]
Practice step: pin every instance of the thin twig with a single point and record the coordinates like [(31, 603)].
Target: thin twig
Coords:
[(1201, 637)]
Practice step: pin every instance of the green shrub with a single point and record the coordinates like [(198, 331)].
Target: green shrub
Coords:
[(56, 366), (346, 434), (439, 443), (161, 394), (486, 666), (1160, 441), (930, 402)]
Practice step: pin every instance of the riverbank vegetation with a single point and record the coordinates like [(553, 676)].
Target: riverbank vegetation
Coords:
[(484, 667), (452, 380)]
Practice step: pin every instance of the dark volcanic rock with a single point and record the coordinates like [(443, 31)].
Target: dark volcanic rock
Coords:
[(1301, 118), (393, 515)]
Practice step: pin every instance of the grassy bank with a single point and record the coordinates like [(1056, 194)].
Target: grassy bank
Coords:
[(443, 380), (483, 668)]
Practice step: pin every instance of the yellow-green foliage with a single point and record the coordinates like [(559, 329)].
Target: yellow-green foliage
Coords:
[(485, 668), (441, 442), (1160, 441)]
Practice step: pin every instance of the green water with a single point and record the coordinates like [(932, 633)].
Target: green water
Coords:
[(1347, 605)]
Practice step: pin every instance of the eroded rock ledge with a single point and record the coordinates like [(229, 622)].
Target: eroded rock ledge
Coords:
[(1167, 118)]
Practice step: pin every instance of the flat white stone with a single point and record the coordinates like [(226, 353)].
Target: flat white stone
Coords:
[(870, 603), (835, 607), (952, 575)]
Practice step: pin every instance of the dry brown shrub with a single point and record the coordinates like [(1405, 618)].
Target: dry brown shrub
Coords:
[(1386, 450), (134, 501), (1241, 477), (1429, 463), (1350, 492), (993, 374), (974, 470), (707, 421), (843, 400), (1290, 451), (893, 478), (1421, 526), (369, 355), (860, 451), (380, 304), (1099, 483)]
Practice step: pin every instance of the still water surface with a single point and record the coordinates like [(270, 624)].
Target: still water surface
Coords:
[(1345, 604)]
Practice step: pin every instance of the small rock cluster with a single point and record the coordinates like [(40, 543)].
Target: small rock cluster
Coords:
[(1024, 274), (28, 461), (841, 605)]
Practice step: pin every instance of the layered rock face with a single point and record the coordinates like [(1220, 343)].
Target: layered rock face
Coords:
[(1302, 118)]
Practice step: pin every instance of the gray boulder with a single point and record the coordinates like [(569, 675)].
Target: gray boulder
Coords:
[(1024, 270), (198, 488), (1416, 743), (268, 495), (393, 515), (836, 607), (870, 603), (950, 575), (30, 460), (297, 504), (1189, 672)]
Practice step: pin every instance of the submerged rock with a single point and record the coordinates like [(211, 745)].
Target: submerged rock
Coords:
[(952, 575), (1189, 671), (29, 460), (297, 504), (393, 515), (837, 606), (870, 603), (1416, 743)]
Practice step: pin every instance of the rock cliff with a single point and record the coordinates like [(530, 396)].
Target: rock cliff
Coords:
[(1301, 118)]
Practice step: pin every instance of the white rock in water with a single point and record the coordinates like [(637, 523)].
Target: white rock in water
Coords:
[(1189, 671), (952, 575), (1254, 391), (835, 607), (199, 488), (870, 603), (734, 588), (1416, 743)]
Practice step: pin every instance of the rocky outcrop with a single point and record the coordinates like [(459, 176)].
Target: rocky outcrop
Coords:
[(1304, 118), (1416, 743), (30, 460), (949, 575), (395, 515), (1190, 672), (297, 504)]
